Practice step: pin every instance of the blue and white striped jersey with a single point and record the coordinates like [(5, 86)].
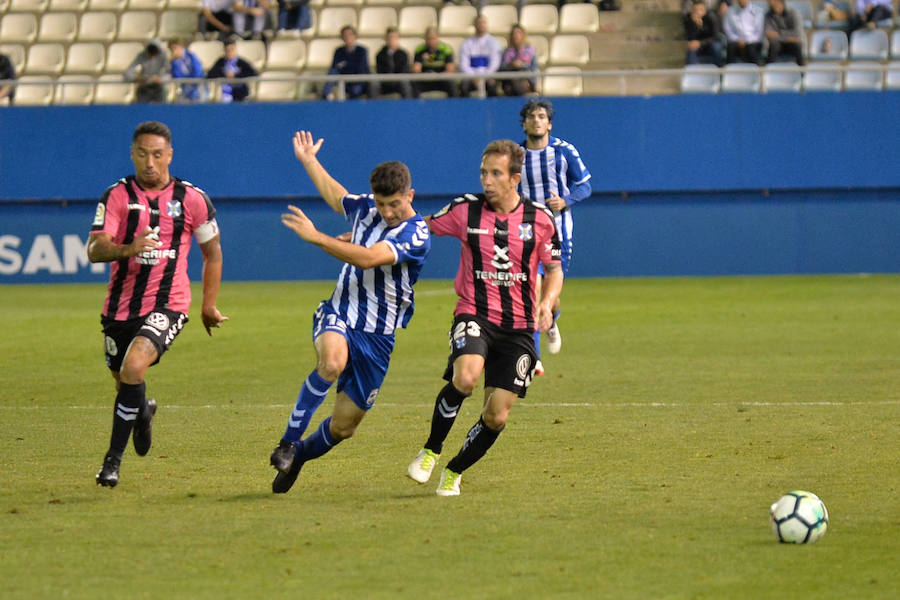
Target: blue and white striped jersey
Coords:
[(380, 299), (556, 170)]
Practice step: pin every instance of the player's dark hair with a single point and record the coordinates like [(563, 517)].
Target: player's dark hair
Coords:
[(152, 128), (509, 148), (391, 177), (534, 104)]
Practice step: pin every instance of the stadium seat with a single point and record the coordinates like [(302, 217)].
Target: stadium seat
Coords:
[(74, 89), (120, 55), (570, 49), (67, 5), (31, 6), (892, 77), (700, 79), (45, 59), (208, 51), (860, 78), (782, 77), (456, 43), (320, 53), (253, 51), (822, 21), (539, 18), (19, 28), (410, 44), (97, 26), (154, 5), (822, 77), (182, 23), (839, 45), (895, 44), (16, 54), (805, 8), (372, 45), (383, 2), (500, 18), (562, 81), (579, 18), (286, 55), (357, 3), (542, 48), (457, 20), (741, 78), (333, 18), (137, 26), (110, 89), (193, 5), (871, 44), (284, 90), (374, 20), (58, 27), (414, 20), (116, 6), (85, 58), (34, 90)]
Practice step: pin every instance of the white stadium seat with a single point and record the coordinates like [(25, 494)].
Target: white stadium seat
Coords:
[(97, 26), (16, 55), (864, 79), (137, 26), (822, 77), (284, 89), (119, 55), (539, 18), (74, 89), (564, 81), (457, 20), (741, 78), (782, 77), (286, 55), (334, 18), (374, 20), (500, 18), (414, 20), (253, 51), (208, 51), (700, 79), (34, 90), (45, 59), (85, 58), (182, 23), (110, 89), (18, 28), (569, 49), (58, 27), (869, 44), (579, 18)]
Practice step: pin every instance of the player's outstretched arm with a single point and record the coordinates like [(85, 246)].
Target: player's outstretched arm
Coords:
[(550, 290), (212, 277), (102, 248), (305, 149), (354, 254)]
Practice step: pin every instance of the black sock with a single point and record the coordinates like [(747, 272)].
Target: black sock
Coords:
[(446, 407), (478, 441), (129, 401)]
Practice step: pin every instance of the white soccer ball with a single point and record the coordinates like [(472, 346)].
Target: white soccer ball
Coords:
[(799, 518)]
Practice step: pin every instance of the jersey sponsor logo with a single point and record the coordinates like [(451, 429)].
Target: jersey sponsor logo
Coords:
[(111, 347), (501, 278), (173, 208), (476, 230), (501, 258), (526, 232), (500, 232), (100, 215), (523, 366), (152, 257), (158, 321), (136, 206)]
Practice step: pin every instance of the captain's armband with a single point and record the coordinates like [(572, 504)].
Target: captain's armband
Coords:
[(207, 231)]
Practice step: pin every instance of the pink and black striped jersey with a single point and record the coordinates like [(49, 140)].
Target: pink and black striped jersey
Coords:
[(158, 278), (500, 256)]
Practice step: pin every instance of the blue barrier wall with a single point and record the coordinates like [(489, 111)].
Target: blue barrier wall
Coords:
[(691, 171)]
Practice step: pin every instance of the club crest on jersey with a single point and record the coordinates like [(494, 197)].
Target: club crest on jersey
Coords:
[(526, 232), (523, 366), (173, 208)]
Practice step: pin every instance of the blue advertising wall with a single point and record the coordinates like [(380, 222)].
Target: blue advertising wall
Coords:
[(682, 184)]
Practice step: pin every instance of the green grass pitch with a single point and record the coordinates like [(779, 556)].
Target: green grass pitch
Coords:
[(641, 466)]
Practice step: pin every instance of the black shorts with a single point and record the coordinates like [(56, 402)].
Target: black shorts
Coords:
[(161, 327), (509, 355)]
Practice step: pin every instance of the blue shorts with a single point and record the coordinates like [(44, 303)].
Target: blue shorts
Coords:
[(367, 365)]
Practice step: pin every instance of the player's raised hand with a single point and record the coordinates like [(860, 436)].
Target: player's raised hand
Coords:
[(211, 317), (299, 223), (304, 147), (146, 241)]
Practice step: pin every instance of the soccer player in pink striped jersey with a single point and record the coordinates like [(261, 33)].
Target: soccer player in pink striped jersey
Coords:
[(504, 237), (143, 226)]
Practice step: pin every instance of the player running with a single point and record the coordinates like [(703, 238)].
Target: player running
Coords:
[(353, 331), (504, 237), (553, 174), (143, 226)]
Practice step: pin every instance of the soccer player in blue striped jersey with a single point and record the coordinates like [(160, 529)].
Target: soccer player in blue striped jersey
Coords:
[(553, 174), (353, 331)]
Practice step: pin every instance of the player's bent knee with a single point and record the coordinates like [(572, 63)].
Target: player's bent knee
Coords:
[(341, 432), (330, 369)]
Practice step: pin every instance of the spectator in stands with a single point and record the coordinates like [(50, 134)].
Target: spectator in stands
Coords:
[(704, 40), (434, 56), (8, 72), (150, 70), (232, 66), (715, 8), (294, 14), (479, 55), (349, 59), (832, 13), (744, 31), (518, 56), (784, 29), (870, 12), (393, 59), (185, 64), (216, 16), (249, 17)]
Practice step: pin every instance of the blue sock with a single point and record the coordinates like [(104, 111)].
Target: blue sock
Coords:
[(318, 443), (537, 343), (313, 392)]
